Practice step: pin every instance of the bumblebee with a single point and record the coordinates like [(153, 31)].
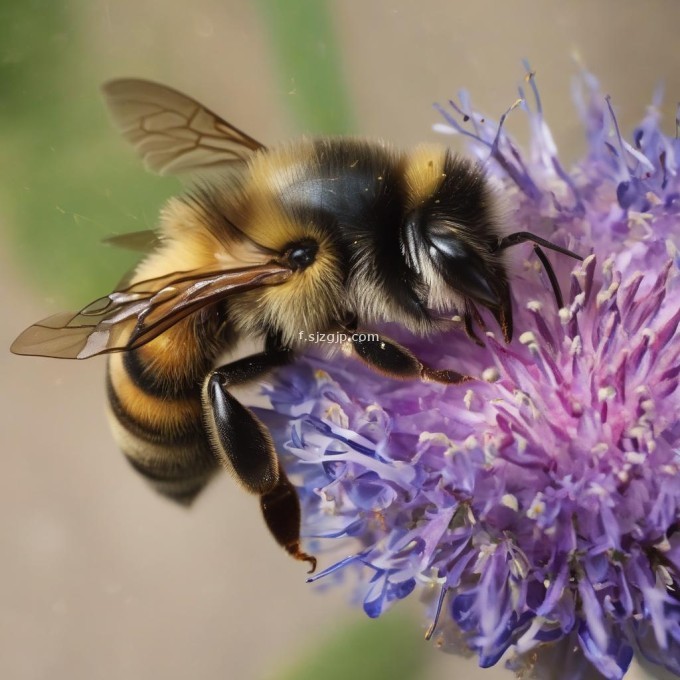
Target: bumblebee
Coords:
[(321, 235)]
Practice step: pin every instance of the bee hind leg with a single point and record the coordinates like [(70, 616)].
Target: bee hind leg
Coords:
[(244, 446)]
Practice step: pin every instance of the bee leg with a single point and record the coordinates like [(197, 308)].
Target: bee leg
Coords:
[(244, 446), (281, 511), (471, 316), (389, 357)]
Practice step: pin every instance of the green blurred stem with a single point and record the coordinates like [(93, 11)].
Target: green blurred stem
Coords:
[(368, 649), (310, 65)]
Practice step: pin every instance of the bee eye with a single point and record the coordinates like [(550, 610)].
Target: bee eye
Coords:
[(300, 255)]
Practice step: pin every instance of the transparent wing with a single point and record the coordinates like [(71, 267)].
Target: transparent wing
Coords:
[(173, 133), (156, 305), (140, 241)]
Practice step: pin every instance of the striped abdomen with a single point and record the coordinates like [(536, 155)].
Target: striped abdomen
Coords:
[(155, 407)]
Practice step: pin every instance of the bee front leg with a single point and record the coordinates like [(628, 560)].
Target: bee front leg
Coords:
[(389, 357), (244, 446)]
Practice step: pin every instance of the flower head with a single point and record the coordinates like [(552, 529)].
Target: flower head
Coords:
[(543, 500)]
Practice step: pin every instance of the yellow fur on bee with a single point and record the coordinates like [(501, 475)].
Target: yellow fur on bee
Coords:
[(163, 415), (424, 173)]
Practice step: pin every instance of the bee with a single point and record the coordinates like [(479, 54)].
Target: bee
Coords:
[(320, 235)]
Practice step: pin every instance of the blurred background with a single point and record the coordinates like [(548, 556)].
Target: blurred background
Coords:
[(100, 577)]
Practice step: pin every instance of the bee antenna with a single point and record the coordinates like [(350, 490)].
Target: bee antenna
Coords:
[(523, 236), (551, 275)]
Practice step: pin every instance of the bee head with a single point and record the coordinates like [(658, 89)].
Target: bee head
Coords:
[(450, 242)]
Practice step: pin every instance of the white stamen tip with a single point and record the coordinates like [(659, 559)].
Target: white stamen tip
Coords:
[(491, 374), (606, 393), (565, 315)]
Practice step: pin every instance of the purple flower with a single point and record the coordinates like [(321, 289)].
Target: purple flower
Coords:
[(543, 502)]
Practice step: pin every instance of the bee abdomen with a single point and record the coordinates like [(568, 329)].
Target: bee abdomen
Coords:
[(161, 435), (181, 485), (157, 383)]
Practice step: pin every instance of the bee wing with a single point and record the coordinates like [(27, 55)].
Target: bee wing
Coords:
[(140, 241), (156, 305), (173, 133)]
